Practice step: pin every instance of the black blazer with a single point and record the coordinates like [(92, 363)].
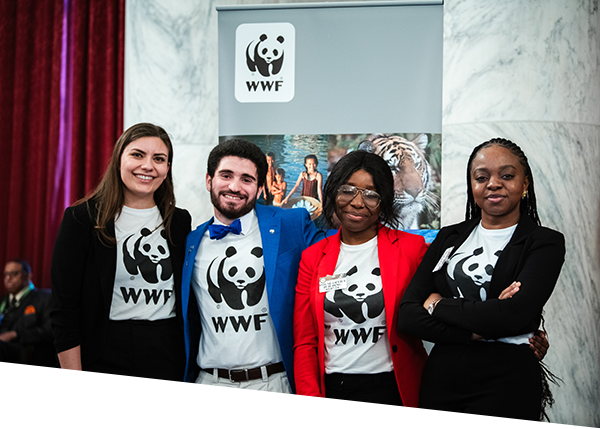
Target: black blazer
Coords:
[(31, 321), (534, 256), (83, 275)]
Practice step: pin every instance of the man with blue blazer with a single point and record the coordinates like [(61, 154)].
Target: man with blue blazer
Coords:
[(239, 278)]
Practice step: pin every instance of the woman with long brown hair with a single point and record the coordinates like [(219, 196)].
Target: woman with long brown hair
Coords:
[(116, 267)]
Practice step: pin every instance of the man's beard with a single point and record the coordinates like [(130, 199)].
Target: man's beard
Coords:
[(231, 213)]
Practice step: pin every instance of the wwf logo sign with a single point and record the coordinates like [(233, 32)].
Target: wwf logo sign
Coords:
[(264, 62)]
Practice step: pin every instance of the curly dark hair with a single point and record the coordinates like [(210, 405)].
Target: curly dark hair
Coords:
[(382, 178), (528, 204), (242, 149)]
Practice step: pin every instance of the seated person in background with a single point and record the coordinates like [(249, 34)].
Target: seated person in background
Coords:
[(25, 331)]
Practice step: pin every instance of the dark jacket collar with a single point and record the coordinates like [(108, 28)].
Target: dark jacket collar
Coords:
[(524, 227)]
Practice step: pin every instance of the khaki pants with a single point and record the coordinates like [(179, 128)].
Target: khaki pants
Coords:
[(275, 383)]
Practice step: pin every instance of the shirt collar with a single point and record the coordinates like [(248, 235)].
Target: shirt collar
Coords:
[(20, 294)]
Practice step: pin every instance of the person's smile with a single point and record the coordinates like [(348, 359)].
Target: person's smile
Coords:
[(355, 215), (495, 198), (145, 177)]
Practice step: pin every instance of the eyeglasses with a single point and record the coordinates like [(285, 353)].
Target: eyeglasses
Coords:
[(346, 193), (11, 274)]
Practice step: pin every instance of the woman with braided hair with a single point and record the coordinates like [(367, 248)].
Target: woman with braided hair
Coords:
[(479, 294)]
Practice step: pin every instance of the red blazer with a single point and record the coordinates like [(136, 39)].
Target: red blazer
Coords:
[(399, 255)]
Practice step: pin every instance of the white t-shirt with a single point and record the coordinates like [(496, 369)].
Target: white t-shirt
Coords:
[(230, 287), (469, 270), (144, 282), (355, 326)]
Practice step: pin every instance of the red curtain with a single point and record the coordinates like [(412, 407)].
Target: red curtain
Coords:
[(30, 58), (47, 167), (97, 89)]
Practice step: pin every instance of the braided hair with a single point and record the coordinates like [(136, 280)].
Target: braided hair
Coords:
[(528, 204)]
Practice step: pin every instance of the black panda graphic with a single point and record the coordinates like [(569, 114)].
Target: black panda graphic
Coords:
[(265, 53), (233, 279), (472, 274), (150, 258), (350, 301)]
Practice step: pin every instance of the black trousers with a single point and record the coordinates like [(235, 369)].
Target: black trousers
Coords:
[(142, 348), (374, 388), (12, 352), (492, 379)]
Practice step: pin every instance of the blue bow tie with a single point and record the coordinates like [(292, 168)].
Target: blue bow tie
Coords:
[(219, 231)]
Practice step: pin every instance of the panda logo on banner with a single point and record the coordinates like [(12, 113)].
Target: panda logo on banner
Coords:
[(264, 62)]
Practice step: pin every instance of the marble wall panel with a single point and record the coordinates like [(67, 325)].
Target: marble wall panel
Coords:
[(171, 66), (512, 60)]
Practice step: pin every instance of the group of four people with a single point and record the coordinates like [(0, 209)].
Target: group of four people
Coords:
[(258, 298)]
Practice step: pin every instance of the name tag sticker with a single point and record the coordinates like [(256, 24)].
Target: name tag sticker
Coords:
[(443, 259), (329, 283)]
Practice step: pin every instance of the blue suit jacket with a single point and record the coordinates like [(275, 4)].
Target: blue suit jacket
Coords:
[(285, 233)]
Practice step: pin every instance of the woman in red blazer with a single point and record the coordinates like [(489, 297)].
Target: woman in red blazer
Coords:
[(349, 286)]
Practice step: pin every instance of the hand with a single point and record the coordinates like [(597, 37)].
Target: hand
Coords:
[(8, 336), (433, 297), (510, 291), (539, 344)]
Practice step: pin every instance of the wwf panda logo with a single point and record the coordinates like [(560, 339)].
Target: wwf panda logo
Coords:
[(237, 275), (150, 256), (472, 274), (264, 54), (350, 301)]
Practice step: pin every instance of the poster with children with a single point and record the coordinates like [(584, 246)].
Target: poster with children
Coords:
[(298, 166)]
